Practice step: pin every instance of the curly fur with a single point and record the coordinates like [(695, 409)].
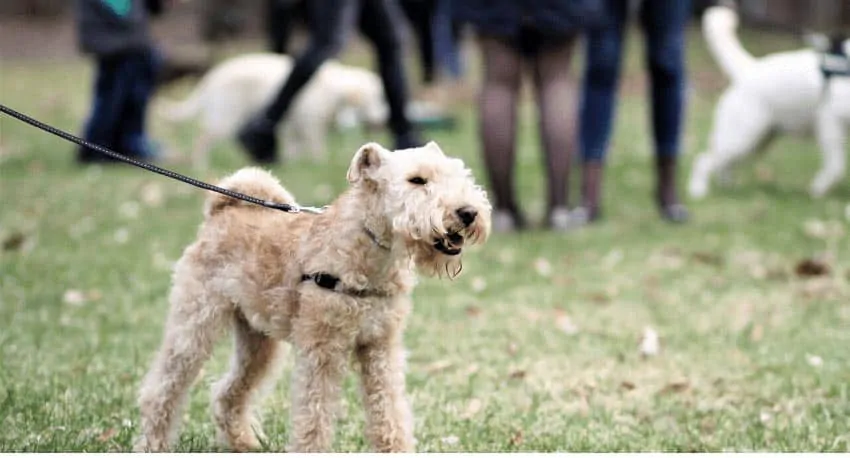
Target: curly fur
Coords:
[(244, 271)]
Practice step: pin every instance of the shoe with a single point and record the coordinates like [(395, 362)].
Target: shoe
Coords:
[(668, 204), (591, 190), (258, 139), (506, 221)]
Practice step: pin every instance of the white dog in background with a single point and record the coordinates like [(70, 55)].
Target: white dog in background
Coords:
[(236, 89), (782, 92)]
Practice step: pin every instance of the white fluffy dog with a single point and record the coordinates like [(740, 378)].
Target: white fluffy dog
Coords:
[(234, 90), (782, 92)]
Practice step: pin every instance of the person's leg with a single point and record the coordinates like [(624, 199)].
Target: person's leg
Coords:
[(497, 130), (379, 22), (328, 27), (446, 34), (279, 15), (139, 75), (107, 102), (419, 14), (664, 24), (601, 81), (556, 107)]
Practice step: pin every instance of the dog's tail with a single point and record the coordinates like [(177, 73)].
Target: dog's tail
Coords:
[(719, 27), (182, 110), (252, 181)]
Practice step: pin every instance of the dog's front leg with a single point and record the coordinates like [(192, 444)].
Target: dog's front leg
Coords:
[(389, 420), (323, 336)]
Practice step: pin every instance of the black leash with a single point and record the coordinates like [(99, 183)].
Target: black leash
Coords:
[(152, 168)]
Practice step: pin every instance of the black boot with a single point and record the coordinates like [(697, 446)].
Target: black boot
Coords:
[(258, 139), (668, 204)]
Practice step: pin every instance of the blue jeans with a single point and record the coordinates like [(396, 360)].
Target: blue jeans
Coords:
[(122, 90), (446, 40), (663, 23)]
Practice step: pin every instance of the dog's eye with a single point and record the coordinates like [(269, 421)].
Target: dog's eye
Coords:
[(417, 180)]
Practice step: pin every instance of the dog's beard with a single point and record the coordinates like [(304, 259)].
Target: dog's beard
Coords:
[(433, 263)]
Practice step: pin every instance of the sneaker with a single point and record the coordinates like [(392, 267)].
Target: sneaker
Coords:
[(675, 213), (562, 219), (258, 139), (503, 222)]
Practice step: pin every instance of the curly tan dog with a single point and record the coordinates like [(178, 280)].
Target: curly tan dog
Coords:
[(331, 284)]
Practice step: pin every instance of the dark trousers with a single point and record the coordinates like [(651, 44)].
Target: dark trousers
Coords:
[(331, 22), (123, 87), (663, 23)]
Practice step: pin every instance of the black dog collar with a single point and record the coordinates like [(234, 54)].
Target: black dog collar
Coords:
[(333, 283)]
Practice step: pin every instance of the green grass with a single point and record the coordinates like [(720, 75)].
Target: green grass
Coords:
[(491, 367)]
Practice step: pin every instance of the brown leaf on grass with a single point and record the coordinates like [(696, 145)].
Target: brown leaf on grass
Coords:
[(94, 295), (811, 268), (473, 311), (679, 386), (516, 438), (106, 435), (764, 173), (14, 241), (627, 385), (517, 374), (710, 259), (599, 297)]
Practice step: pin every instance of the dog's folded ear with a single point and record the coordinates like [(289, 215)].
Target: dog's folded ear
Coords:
[(366, 161)]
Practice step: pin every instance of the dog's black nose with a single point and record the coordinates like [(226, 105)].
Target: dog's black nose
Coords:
[(467, 215)]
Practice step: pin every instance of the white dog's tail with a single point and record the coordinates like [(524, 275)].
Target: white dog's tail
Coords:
[(183, 110), (719, 27), (252, 181)]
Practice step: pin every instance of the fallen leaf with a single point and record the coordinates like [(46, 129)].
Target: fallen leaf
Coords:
[(599, 297), (516, 438), (473, 311), (814, 360), (711, 259), (479, 284), (764, 174), (94, 295), (650, 344), (543, 267), (106, 435), (14, 241), (472, 408), (151, 195), (811, 268), (678, 386), (627, 385), (73, 297), (450, 440), (565, 324), (517, 375)]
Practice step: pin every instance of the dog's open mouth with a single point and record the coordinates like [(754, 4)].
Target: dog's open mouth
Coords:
[(451, 244)]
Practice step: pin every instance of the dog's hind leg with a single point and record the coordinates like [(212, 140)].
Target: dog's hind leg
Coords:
[(195, 320), (735, 134), (253, 363), (831, 138)]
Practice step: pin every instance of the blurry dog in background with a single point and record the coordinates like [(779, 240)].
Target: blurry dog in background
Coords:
[(234, 90)]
